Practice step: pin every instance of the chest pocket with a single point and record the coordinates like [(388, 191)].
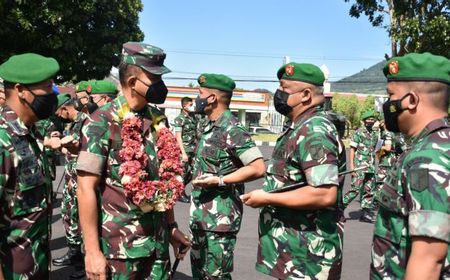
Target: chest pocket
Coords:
[(390, 198), (30, 194)]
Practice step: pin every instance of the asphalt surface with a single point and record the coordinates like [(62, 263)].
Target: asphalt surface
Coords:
[(357, 239)]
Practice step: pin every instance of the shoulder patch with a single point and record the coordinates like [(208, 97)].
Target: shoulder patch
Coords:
[(418, 179), (317, 152)]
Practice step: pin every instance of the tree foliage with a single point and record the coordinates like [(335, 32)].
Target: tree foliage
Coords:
[(349, 106), (413, 25), (85, 36)]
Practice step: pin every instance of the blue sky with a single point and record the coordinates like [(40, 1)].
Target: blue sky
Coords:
[(247, 39)]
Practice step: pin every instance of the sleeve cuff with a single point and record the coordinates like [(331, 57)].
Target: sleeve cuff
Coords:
[(430, 223), (324, 174), (250, 155), (353, 144), (91, 163), (177, 128)]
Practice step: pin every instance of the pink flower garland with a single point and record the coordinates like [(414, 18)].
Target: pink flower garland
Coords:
[(150, 195)]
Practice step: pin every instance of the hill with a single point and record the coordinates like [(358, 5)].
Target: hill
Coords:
[(367, 81)]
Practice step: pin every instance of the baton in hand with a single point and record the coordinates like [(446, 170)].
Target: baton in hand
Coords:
[(300, 184), (181, 250)]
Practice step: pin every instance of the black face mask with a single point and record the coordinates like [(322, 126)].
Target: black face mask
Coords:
[(78, 105), (43, 106), (200, 105), (369, 126), (91, 106), (280, 102), (64, 120), (391, 110), (156, 93)]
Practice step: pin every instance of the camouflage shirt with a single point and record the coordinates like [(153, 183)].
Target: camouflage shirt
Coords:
[(25, 197), (126, 231), (294, 243), (71, 159), (365, 142), (414, 201), (187, 125), (225, 146)]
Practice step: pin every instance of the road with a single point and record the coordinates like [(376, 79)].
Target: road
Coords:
[(357, 239)]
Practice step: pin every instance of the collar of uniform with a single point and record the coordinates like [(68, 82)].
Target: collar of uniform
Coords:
[(305, 115), (14, 122), (79, 117), (222, 121), (430, 128)]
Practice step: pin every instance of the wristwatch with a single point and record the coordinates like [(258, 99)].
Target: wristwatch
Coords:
[(221, 182)]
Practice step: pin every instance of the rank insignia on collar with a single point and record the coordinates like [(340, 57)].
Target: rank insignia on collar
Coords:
[(289, 70), (393, 67)]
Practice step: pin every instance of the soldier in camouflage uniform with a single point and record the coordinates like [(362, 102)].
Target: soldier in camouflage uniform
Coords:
[(412, 230), (185, 125), (226, 157), (103, 92), (25, 183), (301, 230), (133, 244), (362, 154), (69, 207)]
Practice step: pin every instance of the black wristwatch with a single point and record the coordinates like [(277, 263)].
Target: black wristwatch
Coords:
[(172, 225)]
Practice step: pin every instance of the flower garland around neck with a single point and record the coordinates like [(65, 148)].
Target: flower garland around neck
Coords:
[(159, 195)]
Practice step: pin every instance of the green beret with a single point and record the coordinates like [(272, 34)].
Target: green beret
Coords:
[(148, 57), (368, 114), (104, 87), (28, 68), (418, 67), (62, 99), (84, 86), (303, 72), (216, 81)]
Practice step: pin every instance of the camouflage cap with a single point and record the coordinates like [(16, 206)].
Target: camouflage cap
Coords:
[(103, 87), (148, 57), (216, 81), (302, 72), (418, 67), (28, 68), (84, 86)]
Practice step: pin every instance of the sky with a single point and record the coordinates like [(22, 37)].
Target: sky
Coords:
[(248, 39)]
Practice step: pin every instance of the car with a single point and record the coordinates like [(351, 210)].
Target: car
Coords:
[(260, 130)]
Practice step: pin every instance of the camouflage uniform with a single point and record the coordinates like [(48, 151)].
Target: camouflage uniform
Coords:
[(25, 201), (45, 127), (129, 238), (69, 206), (187, 125), (296, 244), (216, 212), (363, 183), (414, 201)]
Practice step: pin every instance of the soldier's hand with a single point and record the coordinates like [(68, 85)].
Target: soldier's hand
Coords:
[(96, 265), (256, 198), (180, 243), (184, 158), (205, 181)]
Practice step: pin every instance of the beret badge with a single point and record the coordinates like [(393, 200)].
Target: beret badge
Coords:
[(393, 67), (289, 70), (202, 80)]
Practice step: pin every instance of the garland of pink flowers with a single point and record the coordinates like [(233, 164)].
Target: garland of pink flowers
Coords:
[(159, 195)]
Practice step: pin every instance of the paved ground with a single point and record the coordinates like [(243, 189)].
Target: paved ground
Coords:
[(357, 241)]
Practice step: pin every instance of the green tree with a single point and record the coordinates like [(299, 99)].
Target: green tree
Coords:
[(85, 36), (413, 25), (348, 106), (368, 104)]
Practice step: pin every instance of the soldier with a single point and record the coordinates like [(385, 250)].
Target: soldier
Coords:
[(362, 154), (386, 155), (301, 230), (226, 157), (103, 92), (25, 184), (83, 90), (412, 229), (185, 125), (69, 207), (133, 244)]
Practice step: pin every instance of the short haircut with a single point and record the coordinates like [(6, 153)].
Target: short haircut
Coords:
[(225, 95), (185, 100), (126, 71), (436, 92)]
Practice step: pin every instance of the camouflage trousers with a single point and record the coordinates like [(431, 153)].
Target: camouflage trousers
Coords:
[(212, 254), (187, 169), (139, 269), (363, 184), (69, 213), (27, 258)]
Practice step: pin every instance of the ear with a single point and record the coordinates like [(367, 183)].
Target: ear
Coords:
[(414, 100), (19, 88), (306, 95), (131, 81)]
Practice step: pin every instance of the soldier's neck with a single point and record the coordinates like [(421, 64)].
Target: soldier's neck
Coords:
[(217, 113)]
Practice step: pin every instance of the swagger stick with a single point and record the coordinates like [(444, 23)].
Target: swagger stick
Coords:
[(300, 184), (177, 260)]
